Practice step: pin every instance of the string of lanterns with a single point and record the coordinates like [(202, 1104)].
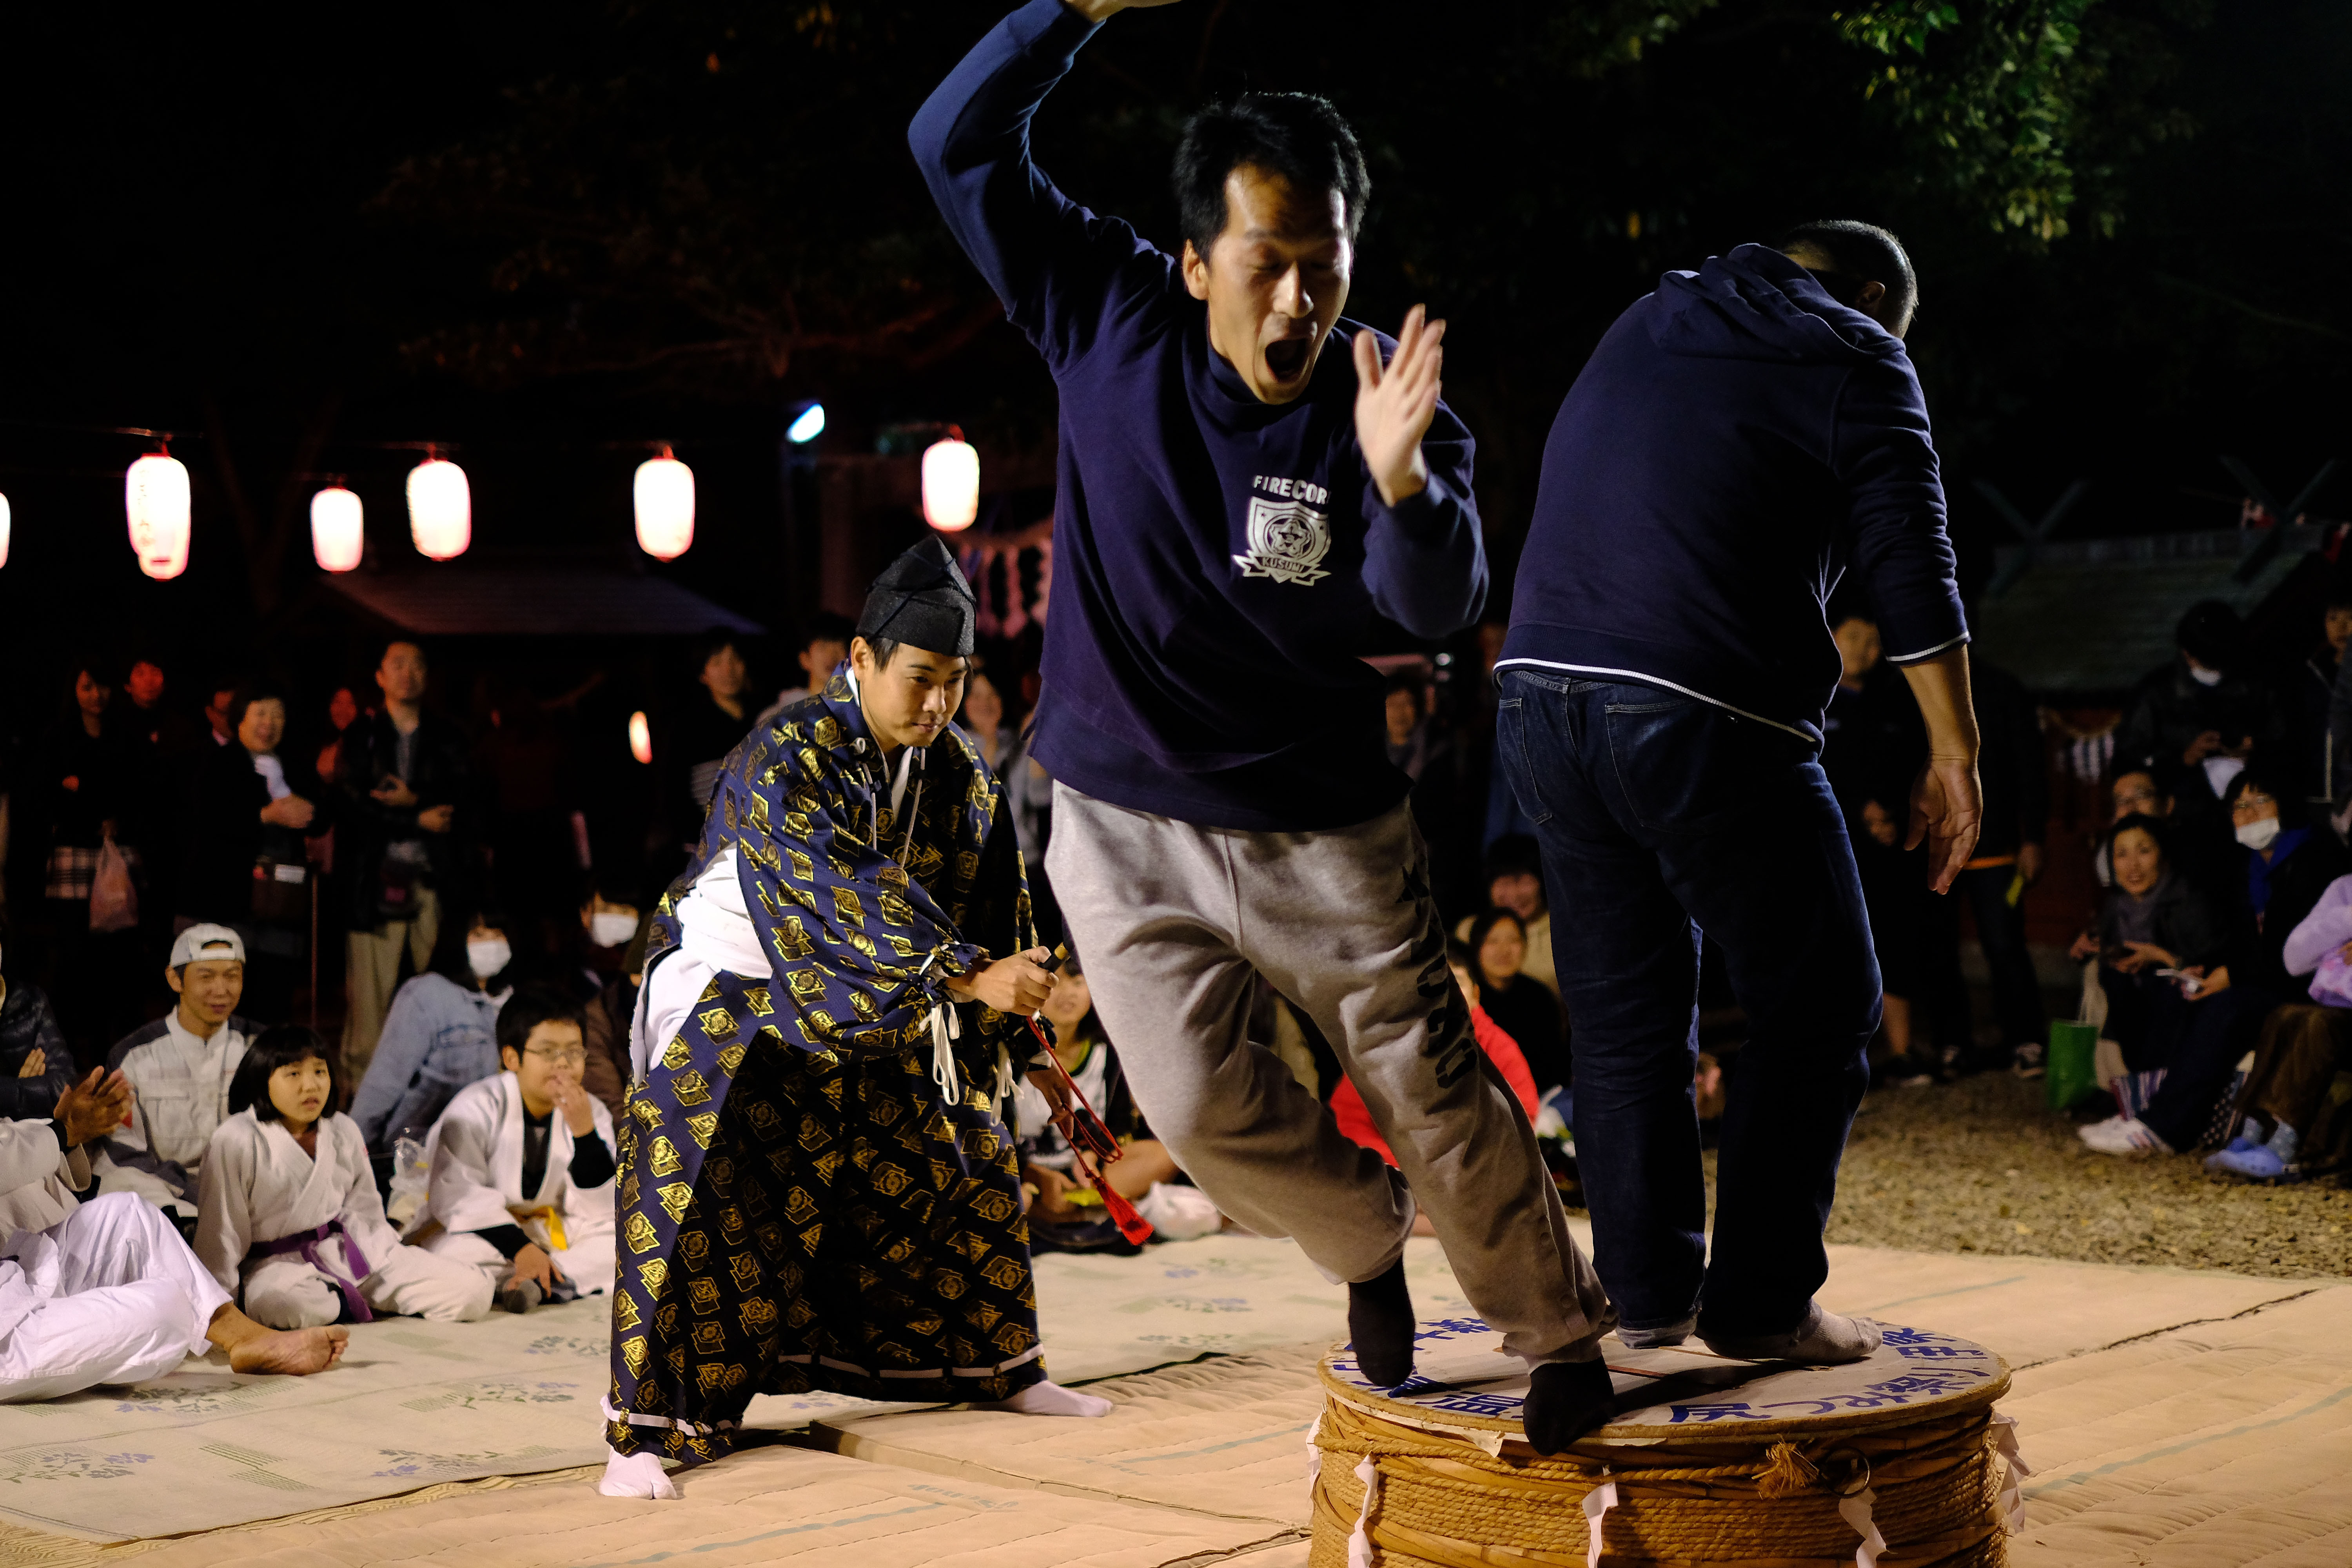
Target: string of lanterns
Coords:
[(155, 493)]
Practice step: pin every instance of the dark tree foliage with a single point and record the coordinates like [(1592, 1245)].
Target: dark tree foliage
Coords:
[(718, 194)]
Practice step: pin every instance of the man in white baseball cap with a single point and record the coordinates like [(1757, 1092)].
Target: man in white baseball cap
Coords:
[(179, 1070)]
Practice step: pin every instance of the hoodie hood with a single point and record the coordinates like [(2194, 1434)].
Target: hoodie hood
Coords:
[(1757, 304)]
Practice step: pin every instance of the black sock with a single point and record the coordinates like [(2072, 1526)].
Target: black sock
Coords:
[(1565, 1399), (1382, 1325)]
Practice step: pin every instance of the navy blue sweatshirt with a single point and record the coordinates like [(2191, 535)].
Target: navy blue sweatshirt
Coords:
[(1219, 562), (1737, 440)]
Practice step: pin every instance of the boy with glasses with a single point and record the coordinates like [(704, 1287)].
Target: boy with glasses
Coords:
[(521, 1164)]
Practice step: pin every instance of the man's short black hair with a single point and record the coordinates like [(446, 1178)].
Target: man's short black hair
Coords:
[(249, 1087), (391, 643), (531, 1006), (825, 626), (1296, 135), (1858, 253)]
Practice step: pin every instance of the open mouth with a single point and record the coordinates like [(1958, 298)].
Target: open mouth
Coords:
[(1287, 358)]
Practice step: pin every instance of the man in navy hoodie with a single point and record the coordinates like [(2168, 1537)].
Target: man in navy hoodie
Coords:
[(1738, 439), (1236, 509)]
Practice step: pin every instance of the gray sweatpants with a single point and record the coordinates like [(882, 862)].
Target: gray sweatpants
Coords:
[(1174, 922)]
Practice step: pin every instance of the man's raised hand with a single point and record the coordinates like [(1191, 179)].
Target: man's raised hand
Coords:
[(1395, 403)]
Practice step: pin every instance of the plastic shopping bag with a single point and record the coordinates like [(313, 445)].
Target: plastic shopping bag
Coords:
[(113, 901)]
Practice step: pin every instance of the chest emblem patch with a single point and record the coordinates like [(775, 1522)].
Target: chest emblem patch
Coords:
[(1288, 540)]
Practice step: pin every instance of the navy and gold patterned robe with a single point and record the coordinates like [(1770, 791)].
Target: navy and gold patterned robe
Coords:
[(800, 1207)]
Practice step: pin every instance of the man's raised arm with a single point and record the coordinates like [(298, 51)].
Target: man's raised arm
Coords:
[(1053, 264)]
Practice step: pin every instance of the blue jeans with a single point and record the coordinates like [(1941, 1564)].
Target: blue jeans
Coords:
[(1659, 817)]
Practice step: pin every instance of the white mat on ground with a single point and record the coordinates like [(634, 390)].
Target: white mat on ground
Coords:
[(413, 1404), (1226, 1436), (1104, 1316), (2036, 1310), (2212, 1446), (765, 1506)]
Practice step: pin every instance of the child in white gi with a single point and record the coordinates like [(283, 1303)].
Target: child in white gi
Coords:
[(288, 1211), (521, 1184)]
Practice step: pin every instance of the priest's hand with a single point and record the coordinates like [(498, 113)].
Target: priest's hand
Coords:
[(37, 1064), (94, 1107), (1396, 403), (579, 1111), (1019, 983), (532, 1263)]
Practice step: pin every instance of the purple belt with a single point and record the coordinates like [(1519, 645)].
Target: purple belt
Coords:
[(306, 1242)]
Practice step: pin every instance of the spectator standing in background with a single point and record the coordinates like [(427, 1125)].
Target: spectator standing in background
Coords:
[(2201, 713), (224, 728), (94, 774), (1873, 742), (2016, 784), (401, 774), (246, 867), (165, 741), (534, 863), (982, 719), (1428, 756), (711, 725), (342, 707), (2323, 703), (36, 1064), (824, 646)]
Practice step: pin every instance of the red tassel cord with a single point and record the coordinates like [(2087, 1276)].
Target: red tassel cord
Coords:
[(1092, 1146)]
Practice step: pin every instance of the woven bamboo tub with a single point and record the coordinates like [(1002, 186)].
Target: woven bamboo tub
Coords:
[(1708, 1461)]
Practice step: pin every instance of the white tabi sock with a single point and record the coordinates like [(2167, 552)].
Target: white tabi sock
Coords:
[(635, 1475), (1052, 1399)]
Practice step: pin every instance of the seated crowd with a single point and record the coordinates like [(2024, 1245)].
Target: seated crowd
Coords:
[(223, 1182)]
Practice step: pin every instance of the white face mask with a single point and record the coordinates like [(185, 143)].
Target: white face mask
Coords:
[(487, 956), (2259, 835), (2204, 677), (610, 930)]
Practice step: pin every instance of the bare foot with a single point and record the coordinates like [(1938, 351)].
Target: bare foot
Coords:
[(296, 1353)]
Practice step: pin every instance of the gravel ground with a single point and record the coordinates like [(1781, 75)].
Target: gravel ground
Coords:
[(1979, 1166)]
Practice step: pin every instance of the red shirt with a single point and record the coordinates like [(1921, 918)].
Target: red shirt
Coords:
[(1356, 1122)]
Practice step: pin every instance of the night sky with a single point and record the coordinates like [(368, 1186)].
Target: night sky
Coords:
[(198, 241)]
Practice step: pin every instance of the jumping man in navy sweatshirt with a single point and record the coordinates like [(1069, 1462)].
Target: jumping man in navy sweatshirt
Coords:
[(1737, 440), (1236, 509)]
